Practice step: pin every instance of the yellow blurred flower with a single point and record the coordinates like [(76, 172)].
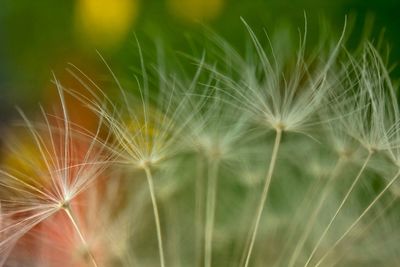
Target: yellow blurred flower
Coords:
[(146, 130), (105, 22), (196, 10), (24, 159)]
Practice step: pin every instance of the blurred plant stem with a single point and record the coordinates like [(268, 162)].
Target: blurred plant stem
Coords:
[(264, 195), (150, 182), (342, 203), (199, 209), (212, 183), (310, 223), (74, 221), (374, 201)]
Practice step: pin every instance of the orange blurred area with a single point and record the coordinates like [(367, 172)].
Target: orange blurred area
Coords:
[(79, 114), (55, 241), (38, 161), (38, 156)]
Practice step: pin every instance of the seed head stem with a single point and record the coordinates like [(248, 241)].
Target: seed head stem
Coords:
[(264, 194), (376, 199), (314, 215), (340, 206), (150, 182), (199, 210), (74, 221), (212, 184)]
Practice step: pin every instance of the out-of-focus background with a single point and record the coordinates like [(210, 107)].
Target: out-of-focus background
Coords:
[(38, 37)]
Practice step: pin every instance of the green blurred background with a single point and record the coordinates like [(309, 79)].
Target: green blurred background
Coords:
[(38, 37)]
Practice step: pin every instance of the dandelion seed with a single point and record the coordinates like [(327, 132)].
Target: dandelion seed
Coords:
[(368, 122), (215, 132), (284, 104), (148, 131), (67, 166)]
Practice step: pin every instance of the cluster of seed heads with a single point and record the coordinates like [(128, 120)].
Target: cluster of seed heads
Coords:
[(274, 158)]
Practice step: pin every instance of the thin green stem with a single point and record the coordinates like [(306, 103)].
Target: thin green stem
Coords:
[(264, 194), (199, 211), (173, 228), (314, 215), (212, 184), (308, 199), (374, 201), (156, 214), (75, 224), (366, 228), (340, 206), (253, 199)]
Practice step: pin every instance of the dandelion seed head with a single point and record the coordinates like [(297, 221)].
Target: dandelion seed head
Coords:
[(199, 139), (366, 108), (281, 100)]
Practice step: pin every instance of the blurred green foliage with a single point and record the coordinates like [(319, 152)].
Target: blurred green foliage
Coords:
[(41, 36)]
